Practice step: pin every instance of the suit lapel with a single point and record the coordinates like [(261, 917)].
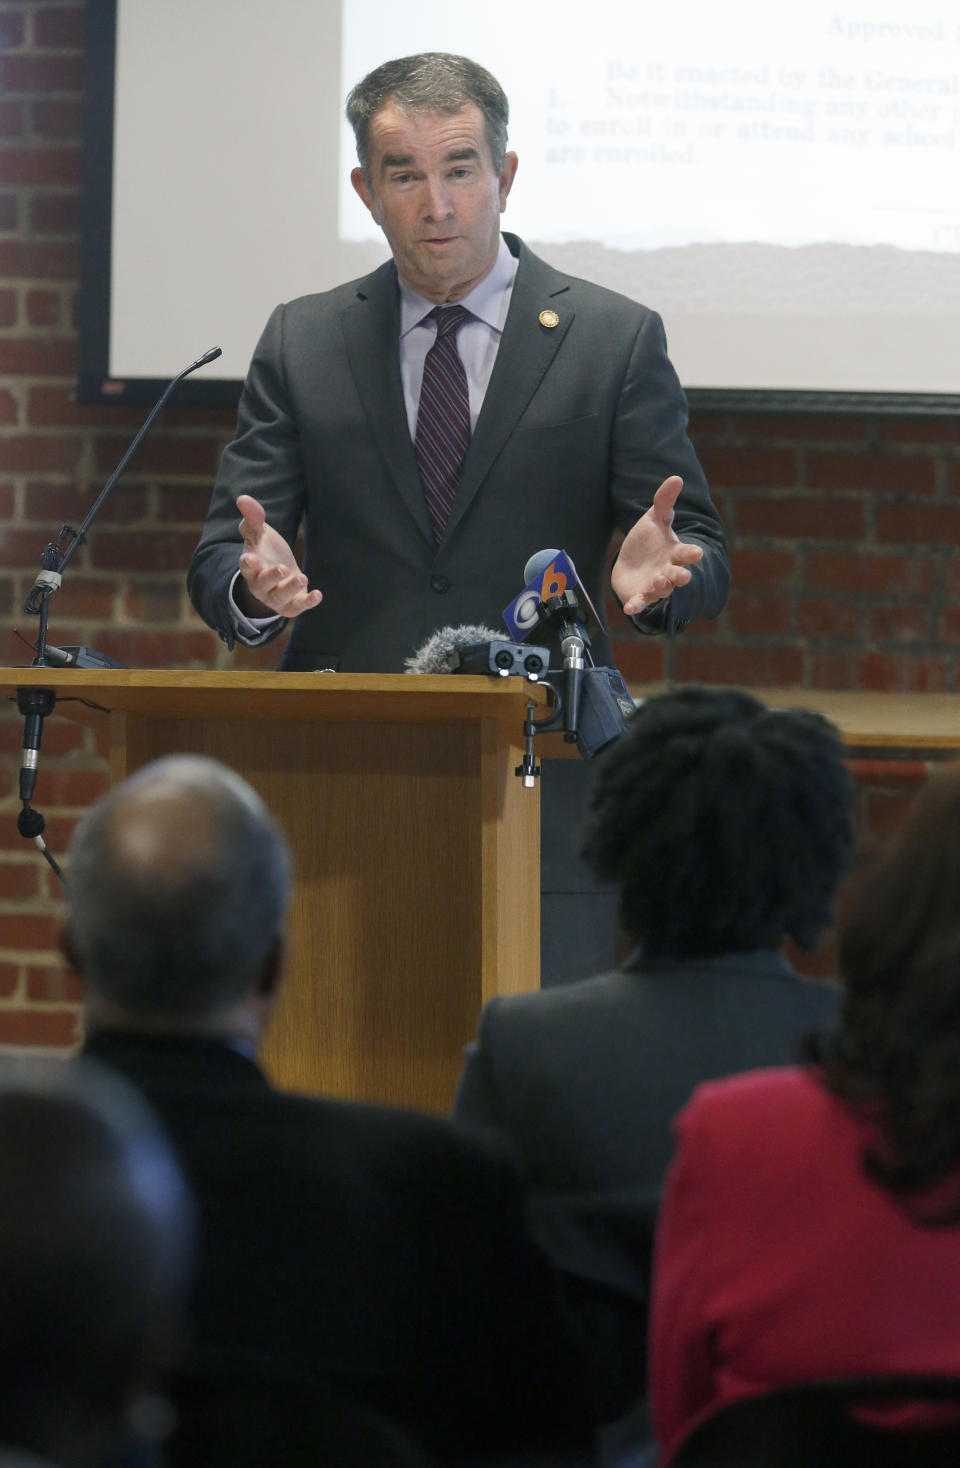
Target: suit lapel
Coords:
[(527, 348), (371, 331)]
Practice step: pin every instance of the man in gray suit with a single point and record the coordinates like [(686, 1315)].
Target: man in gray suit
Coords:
[(726, 826), (574, 421)]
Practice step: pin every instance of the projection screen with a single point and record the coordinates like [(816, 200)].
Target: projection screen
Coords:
[(779, 182)]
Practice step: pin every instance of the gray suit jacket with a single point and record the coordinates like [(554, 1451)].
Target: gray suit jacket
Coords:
[(580, 424), (584, 1080)]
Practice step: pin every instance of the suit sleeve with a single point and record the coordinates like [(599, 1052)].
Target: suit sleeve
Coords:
[(263, 460), (681, 1344), (650, 442), (478, 1101)]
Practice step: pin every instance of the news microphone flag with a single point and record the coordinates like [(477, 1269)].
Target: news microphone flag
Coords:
[(522, 614)]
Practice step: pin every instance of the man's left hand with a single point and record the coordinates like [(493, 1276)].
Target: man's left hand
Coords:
[(652, 561)]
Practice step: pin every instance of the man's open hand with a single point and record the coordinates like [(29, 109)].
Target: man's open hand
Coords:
[(652, 561), (271, 581)]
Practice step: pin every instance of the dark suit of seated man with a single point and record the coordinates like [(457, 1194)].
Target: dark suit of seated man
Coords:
[(726, 826), (96, 1247), (375, 1249)]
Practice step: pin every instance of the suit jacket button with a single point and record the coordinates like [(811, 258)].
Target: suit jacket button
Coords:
[(439, 583)]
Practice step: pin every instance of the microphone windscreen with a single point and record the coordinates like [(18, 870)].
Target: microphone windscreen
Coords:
[(440, 653), (30, 823)]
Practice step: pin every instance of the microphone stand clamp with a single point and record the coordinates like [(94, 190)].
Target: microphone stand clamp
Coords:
[(528, 770)]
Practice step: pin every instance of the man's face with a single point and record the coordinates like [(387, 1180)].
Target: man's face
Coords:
[(434, 193)]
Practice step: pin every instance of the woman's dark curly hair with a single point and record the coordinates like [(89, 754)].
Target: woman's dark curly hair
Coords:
[(894, 1053), (726, 824)]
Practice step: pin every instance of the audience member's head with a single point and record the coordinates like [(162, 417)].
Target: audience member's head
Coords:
[(726, 824), (96, 1238), (177, 892), (895, 1050)]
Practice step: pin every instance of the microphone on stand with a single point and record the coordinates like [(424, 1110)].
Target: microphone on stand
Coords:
[(36, 703), (596, 701), (55, 559), (554, 594)]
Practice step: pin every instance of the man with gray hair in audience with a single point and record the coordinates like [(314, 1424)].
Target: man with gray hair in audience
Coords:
[(367, 1252)]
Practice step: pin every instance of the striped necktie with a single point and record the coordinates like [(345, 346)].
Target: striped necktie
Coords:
[(443, 418)]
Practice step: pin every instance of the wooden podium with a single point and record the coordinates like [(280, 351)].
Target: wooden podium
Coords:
[(416, 848)]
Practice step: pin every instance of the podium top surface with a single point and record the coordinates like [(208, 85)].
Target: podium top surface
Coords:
[(867, 720), (309, 697)]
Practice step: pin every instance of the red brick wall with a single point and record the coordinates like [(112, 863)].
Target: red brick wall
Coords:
[(843, 532), (841, 528)]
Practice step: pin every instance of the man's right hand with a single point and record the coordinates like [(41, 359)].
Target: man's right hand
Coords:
[(271, 583)]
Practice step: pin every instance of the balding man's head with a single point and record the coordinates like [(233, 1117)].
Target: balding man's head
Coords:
[(177, 890)]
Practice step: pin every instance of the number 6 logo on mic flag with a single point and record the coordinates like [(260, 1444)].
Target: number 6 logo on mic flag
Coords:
[(521, 616), (554, 582)]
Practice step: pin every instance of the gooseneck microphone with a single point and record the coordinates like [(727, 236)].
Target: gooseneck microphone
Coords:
[(55, 559), (36, 703)]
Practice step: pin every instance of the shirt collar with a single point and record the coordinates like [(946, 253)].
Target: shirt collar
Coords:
[(489, 300)]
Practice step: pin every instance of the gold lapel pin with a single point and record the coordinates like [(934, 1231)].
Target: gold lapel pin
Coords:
[(550, 319)]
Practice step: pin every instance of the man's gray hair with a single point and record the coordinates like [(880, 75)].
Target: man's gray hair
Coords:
[(177, 890), (432, 81)]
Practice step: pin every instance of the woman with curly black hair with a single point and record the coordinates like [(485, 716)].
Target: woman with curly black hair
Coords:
[(726, 826), (809, 1229)]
